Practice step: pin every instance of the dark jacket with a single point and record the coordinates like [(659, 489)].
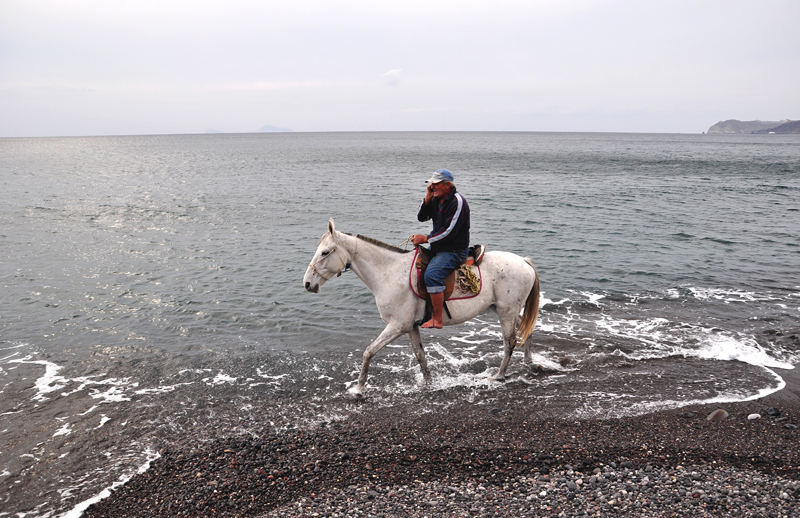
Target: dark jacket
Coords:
[(450, 222)]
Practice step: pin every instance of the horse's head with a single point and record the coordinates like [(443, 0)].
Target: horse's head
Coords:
[(330, 259)]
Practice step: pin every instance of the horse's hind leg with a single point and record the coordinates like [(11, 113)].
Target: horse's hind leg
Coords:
[(527, 348), (508, 325), (390, 333), (419, 352)]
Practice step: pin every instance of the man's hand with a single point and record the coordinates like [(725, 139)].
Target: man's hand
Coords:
[(418, 239), (429, 194)]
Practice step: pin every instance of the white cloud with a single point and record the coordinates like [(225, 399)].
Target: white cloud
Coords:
[(392, 77)]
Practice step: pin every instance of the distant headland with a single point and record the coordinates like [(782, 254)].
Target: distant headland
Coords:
[(734, 126)]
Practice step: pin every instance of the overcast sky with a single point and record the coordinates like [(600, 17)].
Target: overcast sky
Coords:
[(185, 66)]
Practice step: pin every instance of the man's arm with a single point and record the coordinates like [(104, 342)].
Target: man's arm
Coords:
[(424, 213)]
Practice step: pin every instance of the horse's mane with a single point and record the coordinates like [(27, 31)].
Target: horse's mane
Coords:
[(381, 244)]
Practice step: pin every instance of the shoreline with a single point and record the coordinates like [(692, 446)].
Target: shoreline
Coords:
[(790, 394), (505, 461)]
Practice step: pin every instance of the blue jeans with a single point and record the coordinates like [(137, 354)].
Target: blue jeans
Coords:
[(440, 266)]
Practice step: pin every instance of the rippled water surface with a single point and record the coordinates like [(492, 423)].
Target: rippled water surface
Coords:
[(153, 285)]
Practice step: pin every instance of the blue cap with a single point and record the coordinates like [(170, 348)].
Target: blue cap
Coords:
[(442, 175)]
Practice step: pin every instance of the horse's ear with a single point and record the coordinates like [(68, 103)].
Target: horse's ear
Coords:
[(331, 227)]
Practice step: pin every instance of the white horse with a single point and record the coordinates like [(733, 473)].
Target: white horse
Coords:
[(510, 287)]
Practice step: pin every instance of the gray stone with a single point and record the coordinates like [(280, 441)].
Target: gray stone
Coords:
[(717, 415)]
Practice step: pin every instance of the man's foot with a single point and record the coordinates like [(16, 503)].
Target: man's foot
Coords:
[(433, 324)]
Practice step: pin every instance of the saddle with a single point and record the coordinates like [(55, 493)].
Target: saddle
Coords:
[(424, 255)]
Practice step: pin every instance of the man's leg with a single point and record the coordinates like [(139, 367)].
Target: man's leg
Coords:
[(437, 301), (441, 264)]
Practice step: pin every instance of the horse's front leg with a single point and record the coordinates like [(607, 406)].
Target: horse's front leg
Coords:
[(419, 352), (390, 333)]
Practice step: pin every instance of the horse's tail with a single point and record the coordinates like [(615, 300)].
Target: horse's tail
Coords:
[(531, 311)]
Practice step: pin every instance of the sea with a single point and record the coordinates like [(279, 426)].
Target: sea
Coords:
[(151, 287)]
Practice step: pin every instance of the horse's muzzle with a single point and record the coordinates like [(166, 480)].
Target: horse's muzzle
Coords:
[(312, 289)]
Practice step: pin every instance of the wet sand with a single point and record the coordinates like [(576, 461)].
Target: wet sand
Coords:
[(506, 460)]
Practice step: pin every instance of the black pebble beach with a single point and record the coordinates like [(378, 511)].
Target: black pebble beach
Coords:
[(483, 461)]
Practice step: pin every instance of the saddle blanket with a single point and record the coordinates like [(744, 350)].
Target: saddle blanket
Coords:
[(459, 290)]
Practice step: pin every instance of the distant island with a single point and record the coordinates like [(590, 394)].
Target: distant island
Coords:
[(211, 130), (734, 126), (273, 129), (789, 127)]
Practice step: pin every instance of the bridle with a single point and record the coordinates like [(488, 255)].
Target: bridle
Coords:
[(345, 265)]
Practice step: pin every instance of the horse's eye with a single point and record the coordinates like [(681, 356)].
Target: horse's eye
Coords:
[(326, 252)]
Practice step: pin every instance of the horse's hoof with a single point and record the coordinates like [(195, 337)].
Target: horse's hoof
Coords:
[(357, 392)]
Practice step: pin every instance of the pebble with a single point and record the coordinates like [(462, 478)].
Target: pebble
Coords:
[(461, 464), (753, 417), (717, 415), (768, 497)]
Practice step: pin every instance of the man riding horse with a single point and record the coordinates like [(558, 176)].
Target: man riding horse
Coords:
[(449, 239)]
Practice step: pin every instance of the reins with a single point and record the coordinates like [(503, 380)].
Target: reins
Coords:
[(406, 242)]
